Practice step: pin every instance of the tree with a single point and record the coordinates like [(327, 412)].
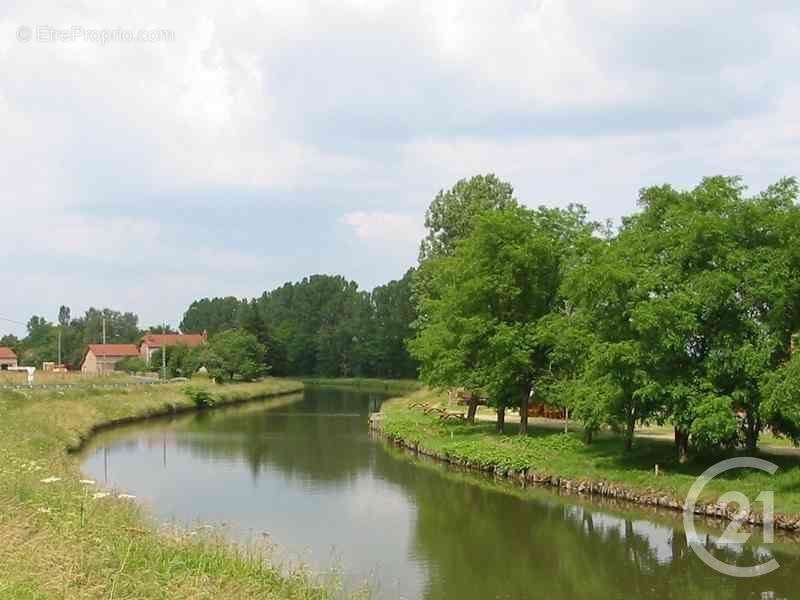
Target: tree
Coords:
[(161, 329), (605, 290), (240, 355), (692, 306), (10, 341), (489, 299), (211, 315), (451, 215), (64, 316), (395, 312), (450, 218)]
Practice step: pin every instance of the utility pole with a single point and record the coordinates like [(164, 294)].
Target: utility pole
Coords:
[(164, 355), (103, 368)]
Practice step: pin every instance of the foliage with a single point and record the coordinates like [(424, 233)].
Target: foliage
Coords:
[(485, 303), (201, 396), (322, 325), (41, 342), (132, 364), (211, 315), (781, 406), (682, 316), (451, 215), (235, 354), (548, 451)]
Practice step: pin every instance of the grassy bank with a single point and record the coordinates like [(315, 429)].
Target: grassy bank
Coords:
[(64, 538), (391, 386), (548, 452)]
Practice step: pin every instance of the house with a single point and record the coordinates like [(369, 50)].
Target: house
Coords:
[(7, 358), (103, 358), (155, 341)]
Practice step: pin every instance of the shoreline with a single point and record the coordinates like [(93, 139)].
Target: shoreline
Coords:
[(65, 536), (585, 487), (173, 410)]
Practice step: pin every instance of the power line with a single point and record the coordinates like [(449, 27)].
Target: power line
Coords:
[(12, 321)]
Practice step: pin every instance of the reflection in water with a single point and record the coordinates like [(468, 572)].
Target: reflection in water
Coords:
[(304, 470)]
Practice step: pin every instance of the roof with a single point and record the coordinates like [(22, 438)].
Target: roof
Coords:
[(158, 340), (114, 350), (7, 353)]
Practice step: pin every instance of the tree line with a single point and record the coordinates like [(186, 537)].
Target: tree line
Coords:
[(684, 315), (41, 344), (322, 325)]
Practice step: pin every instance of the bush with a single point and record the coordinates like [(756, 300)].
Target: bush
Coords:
[(201, 397), (132, 365)]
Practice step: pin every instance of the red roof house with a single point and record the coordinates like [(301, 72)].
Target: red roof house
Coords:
[(155, 341), (7, 358), (103, 358)]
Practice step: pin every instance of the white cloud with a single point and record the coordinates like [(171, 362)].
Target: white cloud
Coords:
[(383, 227), (362, 109)]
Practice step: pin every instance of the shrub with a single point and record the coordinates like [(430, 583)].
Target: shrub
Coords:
[(201, 397), (132, 365)]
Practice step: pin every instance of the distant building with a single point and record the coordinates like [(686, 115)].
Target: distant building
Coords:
[(7, 358), (155, 341), (103, 358)]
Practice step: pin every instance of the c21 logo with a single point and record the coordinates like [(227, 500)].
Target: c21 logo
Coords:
[(733, 533)]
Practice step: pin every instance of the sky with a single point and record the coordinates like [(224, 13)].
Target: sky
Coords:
[(154, 152)]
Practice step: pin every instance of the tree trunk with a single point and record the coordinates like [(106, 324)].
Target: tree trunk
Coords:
[(629, 428), (751, 432), (472, 403), (682, 445), (501, 419), (588, 436), (523, 410)]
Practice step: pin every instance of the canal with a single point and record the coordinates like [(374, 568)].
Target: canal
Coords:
[(302, 473)]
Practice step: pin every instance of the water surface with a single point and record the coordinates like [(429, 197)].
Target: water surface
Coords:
[(303, 472)]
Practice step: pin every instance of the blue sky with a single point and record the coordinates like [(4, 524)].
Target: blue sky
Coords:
[(269, 140)]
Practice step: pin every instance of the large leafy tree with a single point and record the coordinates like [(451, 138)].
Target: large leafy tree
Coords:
[(452, 214), (488, 301), (692, 306), (451, 218), (234, 353), (614, 379)]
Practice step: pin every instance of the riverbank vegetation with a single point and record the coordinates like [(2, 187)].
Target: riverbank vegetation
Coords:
[(65, 537), (549, 452), (683, 316)]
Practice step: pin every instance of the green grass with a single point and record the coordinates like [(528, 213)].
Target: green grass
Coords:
[(392, 386), (60, 540), (551, 452)]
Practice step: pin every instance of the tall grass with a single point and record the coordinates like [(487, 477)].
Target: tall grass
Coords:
[(64, 538)]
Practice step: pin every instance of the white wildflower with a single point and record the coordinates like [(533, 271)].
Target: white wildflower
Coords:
[(87, 481), (51, 480), (100, 495)]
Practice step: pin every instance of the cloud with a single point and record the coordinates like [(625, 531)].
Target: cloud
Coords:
[(272, 140), (384, 227)]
